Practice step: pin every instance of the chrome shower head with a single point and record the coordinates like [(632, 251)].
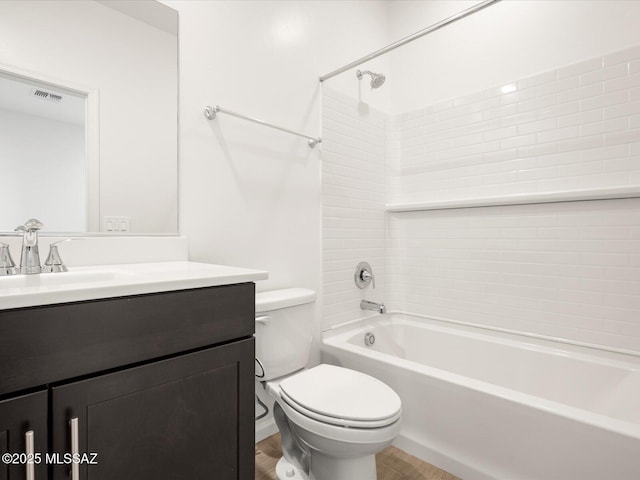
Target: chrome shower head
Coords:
[(377, 79)]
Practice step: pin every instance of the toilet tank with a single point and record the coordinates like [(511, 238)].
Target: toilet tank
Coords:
[(284, 329)]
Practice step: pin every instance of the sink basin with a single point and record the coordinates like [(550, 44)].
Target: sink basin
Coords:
[(60, 279)]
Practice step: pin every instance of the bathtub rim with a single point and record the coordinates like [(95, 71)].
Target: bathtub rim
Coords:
[(335, 339), (334, 329)]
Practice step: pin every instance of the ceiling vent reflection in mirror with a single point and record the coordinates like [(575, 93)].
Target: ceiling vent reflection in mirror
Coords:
[(52, 97)]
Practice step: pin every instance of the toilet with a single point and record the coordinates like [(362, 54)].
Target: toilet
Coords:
[(332, 420)]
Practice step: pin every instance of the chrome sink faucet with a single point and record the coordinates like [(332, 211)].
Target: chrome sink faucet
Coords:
[(30, 257), (376, 307)]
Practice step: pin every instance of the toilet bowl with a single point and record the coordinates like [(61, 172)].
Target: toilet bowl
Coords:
[(332, 420)]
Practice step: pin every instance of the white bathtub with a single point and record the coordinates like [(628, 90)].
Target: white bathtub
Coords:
[(483, 404)]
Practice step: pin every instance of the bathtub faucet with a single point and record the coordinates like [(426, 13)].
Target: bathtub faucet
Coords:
[(376, 307)]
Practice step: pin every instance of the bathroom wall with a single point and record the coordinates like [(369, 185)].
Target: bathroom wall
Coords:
[(508, 40), (509, 113), (250, 196), (353, 202), (540, 115), (572, 128)]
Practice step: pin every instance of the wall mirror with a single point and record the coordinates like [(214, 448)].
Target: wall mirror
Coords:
[(89, 116)]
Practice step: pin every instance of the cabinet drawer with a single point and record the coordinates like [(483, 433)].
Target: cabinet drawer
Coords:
[(41, 345)]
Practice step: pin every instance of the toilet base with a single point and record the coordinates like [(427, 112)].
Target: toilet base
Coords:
[(324, 467), (286, 471), (330, 468)]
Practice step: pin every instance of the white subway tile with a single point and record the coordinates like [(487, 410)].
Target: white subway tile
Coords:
[(540, 150), (604, 153), (601, 101), (634, 66), (609, 179), (623, 83), (580, 93), (558, 110), (580, 118), (608, 73), (518, 141), (578, 169), (537, 173), (518, 96), (622, 56), (563, 85), (582, 143), (612, 125), (557, 134), (627, 136), (622, 110), (500, 133), (499, 112), (559, 158), (517, 119), (580, 68), (538, 126), (538, 103)]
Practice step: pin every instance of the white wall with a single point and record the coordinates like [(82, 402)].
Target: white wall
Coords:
[(249, 195), (506, 41)]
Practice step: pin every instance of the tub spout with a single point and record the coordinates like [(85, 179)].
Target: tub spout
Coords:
[(376, 307)]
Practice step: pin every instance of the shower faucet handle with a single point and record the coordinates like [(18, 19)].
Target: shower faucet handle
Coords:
[(364, 275)]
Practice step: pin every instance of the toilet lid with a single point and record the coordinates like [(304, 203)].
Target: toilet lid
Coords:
[(343, 396)]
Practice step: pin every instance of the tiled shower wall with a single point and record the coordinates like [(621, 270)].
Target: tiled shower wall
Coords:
[(569, 270), (353, 203), (577, 127)]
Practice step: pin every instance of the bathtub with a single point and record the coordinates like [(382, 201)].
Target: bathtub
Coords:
[(486, 404)]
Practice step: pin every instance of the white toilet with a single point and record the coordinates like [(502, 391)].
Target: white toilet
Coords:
[(332, 420)]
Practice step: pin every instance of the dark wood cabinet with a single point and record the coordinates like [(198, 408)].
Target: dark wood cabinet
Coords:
[(156, 387), (20, 417)]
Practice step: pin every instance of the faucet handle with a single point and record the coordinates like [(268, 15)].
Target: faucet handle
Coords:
[(30, 225), (53, 263), (7, 266), (363, 275)]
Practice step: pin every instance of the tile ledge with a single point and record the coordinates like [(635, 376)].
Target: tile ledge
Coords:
[(611, 193)]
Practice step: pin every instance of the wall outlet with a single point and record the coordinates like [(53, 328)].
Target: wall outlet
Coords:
[(115, 224)]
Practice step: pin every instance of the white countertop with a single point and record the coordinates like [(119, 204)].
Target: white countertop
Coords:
[(104, 281)]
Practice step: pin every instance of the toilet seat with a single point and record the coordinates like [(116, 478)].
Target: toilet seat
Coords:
[(355, 400)]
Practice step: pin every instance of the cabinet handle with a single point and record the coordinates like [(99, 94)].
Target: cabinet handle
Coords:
[(75, 448), (30, 451)]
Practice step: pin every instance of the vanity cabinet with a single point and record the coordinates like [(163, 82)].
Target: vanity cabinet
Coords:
[(20, 418), (156, 387)]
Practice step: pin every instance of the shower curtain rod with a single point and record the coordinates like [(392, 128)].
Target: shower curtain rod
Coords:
[(410, 38), (210, 113)]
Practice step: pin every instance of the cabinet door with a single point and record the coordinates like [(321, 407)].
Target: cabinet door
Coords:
[(23, 418), (187, 417)]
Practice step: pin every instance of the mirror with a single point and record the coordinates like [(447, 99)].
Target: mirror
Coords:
[(88, 116)]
